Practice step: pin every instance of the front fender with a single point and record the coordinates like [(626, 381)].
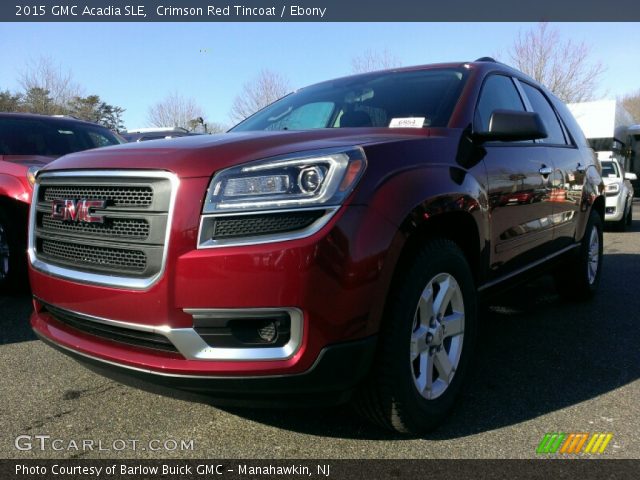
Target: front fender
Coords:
[(12, 187), (418, 194), (411, 198)]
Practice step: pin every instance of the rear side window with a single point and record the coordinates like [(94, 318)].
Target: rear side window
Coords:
[(542, 107), (574, 130), (498, 93)]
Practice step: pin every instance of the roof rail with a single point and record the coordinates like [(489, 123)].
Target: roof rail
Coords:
[(156, 129), (66, 116), (487, 59)]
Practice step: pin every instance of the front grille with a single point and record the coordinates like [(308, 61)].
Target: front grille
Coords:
[(128, 196), (129, 241), (111, 332), (265, 224), (112, 258)]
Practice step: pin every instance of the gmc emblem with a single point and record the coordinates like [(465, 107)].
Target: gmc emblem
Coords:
[(77, 210)]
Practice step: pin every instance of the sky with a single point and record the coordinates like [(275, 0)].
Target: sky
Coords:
[(134, 65)]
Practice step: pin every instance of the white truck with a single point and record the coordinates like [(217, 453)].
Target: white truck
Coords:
[(605, 123)]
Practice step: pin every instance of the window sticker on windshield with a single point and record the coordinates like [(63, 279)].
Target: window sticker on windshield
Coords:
[(407, 122)]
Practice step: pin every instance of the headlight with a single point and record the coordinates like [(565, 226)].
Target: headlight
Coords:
[(304, 180), (612, 189), (278, 199), (31, 175)]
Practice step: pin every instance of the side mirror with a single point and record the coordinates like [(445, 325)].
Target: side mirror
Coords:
[(513, 126), (630, 176)]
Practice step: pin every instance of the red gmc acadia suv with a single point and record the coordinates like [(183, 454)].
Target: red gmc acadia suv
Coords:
[(333, 246)]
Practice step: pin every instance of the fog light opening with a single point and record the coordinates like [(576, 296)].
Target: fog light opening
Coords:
[(269, 332)]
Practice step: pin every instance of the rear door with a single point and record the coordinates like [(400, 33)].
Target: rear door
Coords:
[(568, 177), (518, 179)]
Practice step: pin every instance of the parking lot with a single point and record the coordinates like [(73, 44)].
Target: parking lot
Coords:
[(543, 365)]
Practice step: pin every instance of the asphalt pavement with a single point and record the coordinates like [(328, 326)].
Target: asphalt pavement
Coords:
[(542, 365)]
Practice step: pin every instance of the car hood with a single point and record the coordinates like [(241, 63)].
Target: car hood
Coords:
[(202, 155), (28, 160), (610, 180)]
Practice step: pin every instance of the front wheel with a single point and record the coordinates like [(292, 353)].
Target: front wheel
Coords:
[(578, 279), (425, 342), (630, 215)]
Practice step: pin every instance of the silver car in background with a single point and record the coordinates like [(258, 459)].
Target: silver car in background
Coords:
[(619, 194)]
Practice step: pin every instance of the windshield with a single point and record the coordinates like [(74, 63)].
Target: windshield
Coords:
[(424, 98), (610, 169), (51, 137)]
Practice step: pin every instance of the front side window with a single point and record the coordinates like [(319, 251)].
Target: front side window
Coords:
[(370, 100), (498, 93)]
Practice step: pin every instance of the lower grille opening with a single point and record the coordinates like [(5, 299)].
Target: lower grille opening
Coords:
[(74, 254), (238, 226), (266, 331), (110, 332)]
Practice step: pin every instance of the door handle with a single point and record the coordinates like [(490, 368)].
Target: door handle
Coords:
[(544, 170), (581, 168)]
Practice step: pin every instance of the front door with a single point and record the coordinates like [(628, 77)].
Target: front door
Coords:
[(518, 177)]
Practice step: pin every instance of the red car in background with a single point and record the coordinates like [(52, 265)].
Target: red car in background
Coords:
[(27, 143)]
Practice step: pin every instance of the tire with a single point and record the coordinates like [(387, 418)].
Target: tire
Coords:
[(630, 215), (396, 394), (13, 268), (578, 279)]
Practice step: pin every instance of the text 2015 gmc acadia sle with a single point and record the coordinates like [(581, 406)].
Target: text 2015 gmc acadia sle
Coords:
[(333, 246)]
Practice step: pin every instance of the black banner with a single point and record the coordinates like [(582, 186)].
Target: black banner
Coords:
[(330, 469), (316, 11)]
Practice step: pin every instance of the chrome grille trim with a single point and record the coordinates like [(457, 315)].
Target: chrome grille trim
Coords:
[(106, 279)]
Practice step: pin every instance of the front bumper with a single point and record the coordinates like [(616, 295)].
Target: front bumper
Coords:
[(331, 379), (614, 208), (334, 278)]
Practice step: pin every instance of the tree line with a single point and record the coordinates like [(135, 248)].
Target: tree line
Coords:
[(49, 90), (566, 67)]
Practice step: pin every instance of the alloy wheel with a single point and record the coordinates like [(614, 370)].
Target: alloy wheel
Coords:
[(438, 332)]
